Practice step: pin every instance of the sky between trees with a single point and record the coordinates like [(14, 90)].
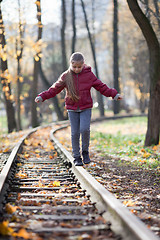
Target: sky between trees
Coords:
[(50, 11)]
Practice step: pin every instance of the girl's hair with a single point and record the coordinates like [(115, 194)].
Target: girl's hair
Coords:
[(75, 57)]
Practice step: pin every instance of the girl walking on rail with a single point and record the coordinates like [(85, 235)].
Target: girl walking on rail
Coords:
[(78, 81)]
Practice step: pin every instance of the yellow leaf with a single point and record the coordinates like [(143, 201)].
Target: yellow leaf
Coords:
[(129, 203), (26, 155), (6, 150), (54, 184), (4, 57), (21, 175), (85, 202), (37, 151), (21, 79), (5, 89), (26, 94), (10, 209), (21, 97), (37, 3), (18, 52), (19, 164), (40, 184), (154, 148), (50, 145), (40, 55), (26, 142), (143, 150), (22, 233), (133, 211), (142, 160), (36, 58), (4, 229), (146, 155)]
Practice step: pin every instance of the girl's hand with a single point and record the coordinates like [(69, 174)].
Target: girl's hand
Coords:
[(120, 97), (38, 99)]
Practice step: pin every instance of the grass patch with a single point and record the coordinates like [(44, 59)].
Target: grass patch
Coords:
[(129, 146), (3, 125)]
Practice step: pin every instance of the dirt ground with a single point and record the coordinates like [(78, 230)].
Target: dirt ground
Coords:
[(137, 188)]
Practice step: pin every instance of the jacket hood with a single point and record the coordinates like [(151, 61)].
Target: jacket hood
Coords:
[(86, 68)]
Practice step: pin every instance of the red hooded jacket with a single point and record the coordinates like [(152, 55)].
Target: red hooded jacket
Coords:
[(84, 81)]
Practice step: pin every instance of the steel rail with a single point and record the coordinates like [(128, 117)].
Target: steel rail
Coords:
[(123, 222), (6, 171)]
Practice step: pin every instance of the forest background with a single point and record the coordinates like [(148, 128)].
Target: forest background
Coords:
[(37, 39)]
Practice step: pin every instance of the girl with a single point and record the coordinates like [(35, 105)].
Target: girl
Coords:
[(78, 81)]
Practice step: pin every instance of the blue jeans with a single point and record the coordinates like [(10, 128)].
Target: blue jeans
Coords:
[(80, 125)]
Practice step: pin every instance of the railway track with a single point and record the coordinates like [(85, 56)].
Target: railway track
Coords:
[(44, 196)]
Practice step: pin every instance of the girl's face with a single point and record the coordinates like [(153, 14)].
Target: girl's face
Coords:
[(76, 67)]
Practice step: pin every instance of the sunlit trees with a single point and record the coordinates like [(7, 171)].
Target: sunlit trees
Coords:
[(5, 78)]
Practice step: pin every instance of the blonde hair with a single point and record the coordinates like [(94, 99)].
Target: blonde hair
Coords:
[(72, 93)]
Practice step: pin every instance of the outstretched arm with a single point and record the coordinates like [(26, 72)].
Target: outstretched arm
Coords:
[(56, 88), (105, 90)]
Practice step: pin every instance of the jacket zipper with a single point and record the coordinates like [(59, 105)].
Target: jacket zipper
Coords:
[(77, 90)]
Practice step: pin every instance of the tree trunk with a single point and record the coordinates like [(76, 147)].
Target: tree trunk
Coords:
[(116, 104), (55, 99), (19, 52), (153, 129), (63, 44), (10, 112), (93, 21), (19, 126), (99, 96), (34, 117), (73, 26)]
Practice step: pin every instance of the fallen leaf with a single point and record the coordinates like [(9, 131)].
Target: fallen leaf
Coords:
[(129, 203), (37, 151), (21, 175), (10, 209), (154, 148), (4, 229), (22, 233)]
